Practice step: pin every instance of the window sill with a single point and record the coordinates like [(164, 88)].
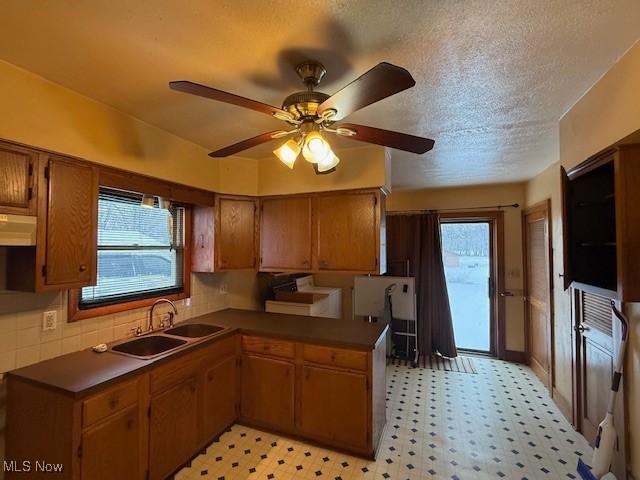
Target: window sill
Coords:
[(74, 313)]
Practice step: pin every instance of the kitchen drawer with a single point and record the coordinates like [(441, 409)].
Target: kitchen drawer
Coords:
[(108, 402), (268, 346), (221, 349), (175, 371), (336, 357)]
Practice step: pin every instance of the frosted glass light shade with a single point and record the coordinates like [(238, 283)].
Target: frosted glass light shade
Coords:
[(315, 148), (329, 162), (288, 152)]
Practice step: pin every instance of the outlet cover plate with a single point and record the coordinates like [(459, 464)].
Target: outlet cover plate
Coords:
[(49, 320)]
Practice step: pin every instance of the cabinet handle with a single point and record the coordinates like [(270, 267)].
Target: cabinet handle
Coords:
[(192, 388), (114, 402), (324, 263), (202, 240), (129, 424), (210, 377), (83, 268)]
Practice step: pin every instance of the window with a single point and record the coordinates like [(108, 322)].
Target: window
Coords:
[(140, 251)]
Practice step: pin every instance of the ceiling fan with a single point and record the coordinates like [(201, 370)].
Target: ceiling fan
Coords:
[(311, 113)]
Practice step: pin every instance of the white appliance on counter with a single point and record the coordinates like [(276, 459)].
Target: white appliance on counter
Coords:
[(328, 304)]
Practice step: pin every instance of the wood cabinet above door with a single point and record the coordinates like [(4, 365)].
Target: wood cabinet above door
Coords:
[(225, 235), (285, 233), (17, 186)]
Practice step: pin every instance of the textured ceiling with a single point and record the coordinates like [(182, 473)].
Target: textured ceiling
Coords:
[(493, 78)]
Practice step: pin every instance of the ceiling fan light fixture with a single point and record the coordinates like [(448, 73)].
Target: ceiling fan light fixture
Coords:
[(288, 152), (328, 163), (315, 148)]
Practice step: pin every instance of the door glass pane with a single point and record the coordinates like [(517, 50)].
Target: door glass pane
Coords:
[(465, 252)]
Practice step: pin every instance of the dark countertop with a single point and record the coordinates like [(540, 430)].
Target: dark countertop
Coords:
[(82, 373)]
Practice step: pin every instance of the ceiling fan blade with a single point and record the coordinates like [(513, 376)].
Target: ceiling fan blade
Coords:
[(221, 96), (387, 138), (380, 82), (246, 144)]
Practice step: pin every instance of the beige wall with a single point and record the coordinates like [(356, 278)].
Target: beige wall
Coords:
[(43, 114), (359, 168), (482, 196), (547, 185), (606, 114)]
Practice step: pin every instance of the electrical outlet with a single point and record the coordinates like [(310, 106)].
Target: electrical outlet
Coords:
[(49, 320), (187, 302), (223, 289)]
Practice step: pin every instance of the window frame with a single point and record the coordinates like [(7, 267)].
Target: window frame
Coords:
[(74, 313)]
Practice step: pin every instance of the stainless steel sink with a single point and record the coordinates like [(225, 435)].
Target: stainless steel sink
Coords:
[(193, 330), (147, 347)]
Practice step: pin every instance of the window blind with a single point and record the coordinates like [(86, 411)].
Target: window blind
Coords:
[(140, 250)]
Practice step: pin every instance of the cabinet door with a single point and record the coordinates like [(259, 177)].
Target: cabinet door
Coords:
[(17, 167), (236, 234), (173, 429), (285, 234), (72, 211), (111, 449), (220, 397), (268, 392), (348, 232), (334, 406)]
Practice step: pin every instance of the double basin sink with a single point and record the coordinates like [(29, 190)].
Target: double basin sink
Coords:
[(150, 346)]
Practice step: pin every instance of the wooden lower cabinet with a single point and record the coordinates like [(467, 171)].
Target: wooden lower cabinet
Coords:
[(268, 392), (220, 399), (334, 406), (173, 428), (148, 426), (112, 449)]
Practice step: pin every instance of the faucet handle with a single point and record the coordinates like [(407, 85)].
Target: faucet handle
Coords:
[(137, 331)]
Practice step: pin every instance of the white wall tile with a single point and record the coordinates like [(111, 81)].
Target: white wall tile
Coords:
[(22, 341)]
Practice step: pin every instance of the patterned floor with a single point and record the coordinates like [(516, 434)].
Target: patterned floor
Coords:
[(499, 423)]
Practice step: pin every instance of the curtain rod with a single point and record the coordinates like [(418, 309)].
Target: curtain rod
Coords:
[(489, 207)]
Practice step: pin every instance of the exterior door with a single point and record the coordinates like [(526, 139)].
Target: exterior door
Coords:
[(597, 343), (538, 306)]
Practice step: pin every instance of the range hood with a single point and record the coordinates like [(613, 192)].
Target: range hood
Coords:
[(17, 230)]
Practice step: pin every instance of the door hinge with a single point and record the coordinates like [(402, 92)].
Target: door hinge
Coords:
[(31, 169), (30, 193), (147, 475), (376, 261), (80, 450), (149, 412), (46, 172), (44, 270), (375, 200)]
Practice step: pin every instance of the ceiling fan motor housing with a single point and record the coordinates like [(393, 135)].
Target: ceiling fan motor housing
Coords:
[(304, 105)]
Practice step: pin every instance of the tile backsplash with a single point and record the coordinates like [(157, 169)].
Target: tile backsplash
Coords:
[(22, 341)]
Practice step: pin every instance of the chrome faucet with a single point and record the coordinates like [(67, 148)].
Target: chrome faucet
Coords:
[(171, 314)]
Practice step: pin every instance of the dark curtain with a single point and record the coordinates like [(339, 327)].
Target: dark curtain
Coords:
[(414, 248)]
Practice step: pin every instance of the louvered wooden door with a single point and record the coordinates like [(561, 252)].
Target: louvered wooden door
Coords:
[(597, 339), (538, 299)]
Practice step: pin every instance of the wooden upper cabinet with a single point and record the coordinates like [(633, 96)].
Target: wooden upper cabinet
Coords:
[(348, 233), (17, 186), (71, 223), (285, 233), (601, 223), (235, 238), (224, 236)]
